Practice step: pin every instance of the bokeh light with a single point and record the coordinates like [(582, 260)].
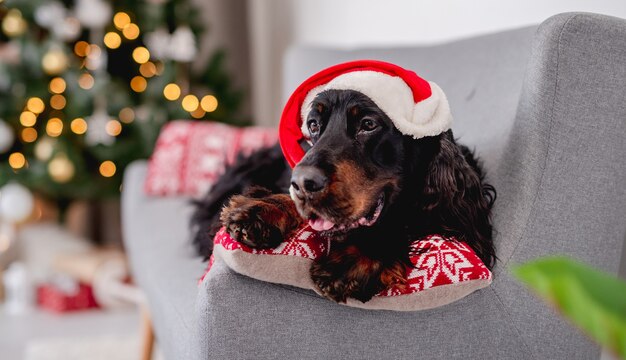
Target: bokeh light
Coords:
[(54, 62), (127, 115), (138, 84), (86, 81), (28, 118), (29, 135), (81, 48), (107, 168), (13, 23), (190, 103), (121, 19), (209, 103), (17, 160), (141, 55), (112, 40), (171, 92), (78, 126), (61, 169), (35, 105), (148, 69), (57, 102), (198, 113), (113, 127), (54, 127), (131, 31), (57, 85)]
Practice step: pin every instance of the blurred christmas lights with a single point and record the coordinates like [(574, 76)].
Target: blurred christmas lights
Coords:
[(57, 102), (78, 126), (86, 81), (112, 40), (113, 127), (29, 135), (35, 105), (141, 55), (57, 85), (120, 20), (107, 168), (127, 115), (131, 31), (28, 118), (54, 127), (209, 103), (60, 168), (138, 84), (190, 103), (17, 160), (171, 92)]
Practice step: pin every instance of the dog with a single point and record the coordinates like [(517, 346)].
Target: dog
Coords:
[(363, 183)]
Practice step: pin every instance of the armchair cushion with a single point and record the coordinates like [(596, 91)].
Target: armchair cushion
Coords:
[(444, 270)]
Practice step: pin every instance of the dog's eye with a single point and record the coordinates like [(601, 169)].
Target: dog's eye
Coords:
[(368, 124), (314, 126)]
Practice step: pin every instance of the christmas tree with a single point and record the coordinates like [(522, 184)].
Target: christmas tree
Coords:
[(86, 85)]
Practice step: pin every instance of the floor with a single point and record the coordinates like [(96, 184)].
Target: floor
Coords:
[(16, 331)]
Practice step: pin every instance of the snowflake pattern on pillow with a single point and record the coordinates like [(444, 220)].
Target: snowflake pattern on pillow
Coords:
[(190, 156), (437, 260)]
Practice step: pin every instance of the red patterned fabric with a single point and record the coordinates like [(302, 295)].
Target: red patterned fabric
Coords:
[(55, 299), (437, 260), (190, 156)]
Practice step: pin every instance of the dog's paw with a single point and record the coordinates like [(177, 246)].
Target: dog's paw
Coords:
[(345, 274), (243, 220), (338, 278), (333, 285)]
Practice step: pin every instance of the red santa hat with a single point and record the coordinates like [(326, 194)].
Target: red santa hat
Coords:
[(417, 107)]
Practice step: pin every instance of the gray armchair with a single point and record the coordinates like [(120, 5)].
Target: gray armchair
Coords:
[(546, 110)]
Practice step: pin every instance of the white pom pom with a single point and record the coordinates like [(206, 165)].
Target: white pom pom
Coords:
[(6, 136), (96, 129), (158, 43), (67, 29), (183, 45), (93, 13), (16, 202), (49, 13)]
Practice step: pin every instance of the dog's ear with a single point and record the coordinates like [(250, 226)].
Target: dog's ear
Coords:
[(455, 197)]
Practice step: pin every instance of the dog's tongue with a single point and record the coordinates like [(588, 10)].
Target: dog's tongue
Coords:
[(321, 224)]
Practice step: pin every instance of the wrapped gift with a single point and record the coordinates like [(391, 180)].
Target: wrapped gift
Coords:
[(65, 294)]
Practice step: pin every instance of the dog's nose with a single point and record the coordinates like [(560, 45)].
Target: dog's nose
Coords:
[(308, 180)]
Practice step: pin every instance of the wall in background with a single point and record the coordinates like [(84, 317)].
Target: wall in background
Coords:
[(353, 23), (228, 30), (275, 25)]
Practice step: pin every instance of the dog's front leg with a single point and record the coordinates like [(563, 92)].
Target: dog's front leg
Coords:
[(259, 219), (346, 272)]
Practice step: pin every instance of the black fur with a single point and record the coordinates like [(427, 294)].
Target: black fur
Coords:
[(265, 168)]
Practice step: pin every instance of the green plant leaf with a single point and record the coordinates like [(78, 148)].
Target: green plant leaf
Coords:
[(593, 300)]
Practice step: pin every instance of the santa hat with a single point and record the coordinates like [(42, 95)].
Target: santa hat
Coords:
[(417, 107)]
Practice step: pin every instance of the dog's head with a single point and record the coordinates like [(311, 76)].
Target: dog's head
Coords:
[(356, 166), (360, 166)]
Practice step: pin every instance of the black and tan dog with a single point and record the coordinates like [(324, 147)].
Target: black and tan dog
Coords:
[(371, 188)]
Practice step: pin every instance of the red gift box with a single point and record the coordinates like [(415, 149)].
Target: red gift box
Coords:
[(56, 299)]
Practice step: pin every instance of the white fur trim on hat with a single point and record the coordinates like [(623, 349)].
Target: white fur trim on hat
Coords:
[(391, 94)]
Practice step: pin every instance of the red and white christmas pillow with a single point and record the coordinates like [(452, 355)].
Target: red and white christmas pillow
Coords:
[(190, 156), (444, 270)]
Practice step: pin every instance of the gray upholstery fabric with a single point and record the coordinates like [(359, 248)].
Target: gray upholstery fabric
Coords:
[(562, 182), (156, 238), (557, 161)]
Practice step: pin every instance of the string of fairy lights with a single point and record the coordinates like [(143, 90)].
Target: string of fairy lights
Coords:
[(55, 62)]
